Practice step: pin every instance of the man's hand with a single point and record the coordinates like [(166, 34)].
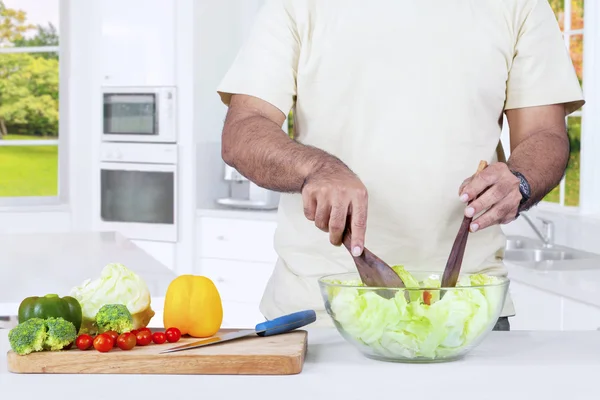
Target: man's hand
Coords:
[(333, 194), (499, 196)]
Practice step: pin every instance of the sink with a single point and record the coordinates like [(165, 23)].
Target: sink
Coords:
[(537, 255), (533, 252)]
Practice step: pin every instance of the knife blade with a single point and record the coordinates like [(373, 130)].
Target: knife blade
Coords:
[(283, 324)]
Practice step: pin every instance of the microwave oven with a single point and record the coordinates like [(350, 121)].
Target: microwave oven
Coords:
[(139, 114)]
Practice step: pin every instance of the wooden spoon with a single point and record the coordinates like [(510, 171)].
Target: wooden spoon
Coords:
[(373, 270), (454, 262)]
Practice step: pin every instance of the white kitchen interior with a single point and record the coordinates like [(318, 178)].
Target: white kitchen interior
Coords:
[(197, 216)]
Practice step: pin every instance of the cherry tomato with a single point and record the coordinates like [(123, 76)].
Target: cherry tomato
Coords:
[(143, 338), (126, 341), (144, 329), (84, 342), (134, 331), (159, 337), (103, 343), (114, 335), (173, 335), (427, 297)]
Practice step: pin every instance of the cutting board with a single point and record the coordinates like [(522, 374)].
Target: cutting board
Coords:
[(272, 355)]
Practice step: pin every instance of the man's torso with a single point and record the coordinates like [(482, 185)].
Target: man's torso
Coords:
[(410, 96)]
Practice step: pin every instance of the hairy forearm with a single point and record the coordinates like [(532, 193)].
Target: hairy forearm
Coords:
[(542, 158), (260, 150)]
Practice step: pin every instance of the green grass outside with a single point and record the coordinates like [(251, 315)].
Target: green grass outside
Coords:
[(28, 170)]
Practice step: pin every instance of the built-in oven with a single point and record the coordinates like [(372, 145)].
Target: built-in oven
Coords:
[(139, 114), (138, 190)]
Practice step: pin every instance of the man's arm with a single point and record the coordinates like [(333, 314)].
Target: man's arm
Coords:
[(539, 151), (254, 144), (539, 147)]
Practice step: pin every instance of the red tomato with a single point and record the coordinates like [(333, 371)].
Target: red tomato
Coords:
[(144, 329), (134, 331), (427, 297), (143, 338), (126, 341), (159, 337), (114, 335), (173, 335), (84, 342), (103, 343)]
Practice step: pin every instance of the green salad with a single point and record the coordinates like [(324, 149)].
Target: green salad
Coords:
[(422, 326)]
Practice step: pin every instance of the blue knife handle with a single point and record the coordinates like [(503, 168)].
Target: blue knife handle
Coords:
[(286, 323)]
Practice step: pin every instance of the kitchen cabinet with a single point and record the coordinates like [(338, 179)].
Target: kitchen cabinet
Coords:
[(540, 310), (137, 43), (238, 256), (535, 309), (578, 316)]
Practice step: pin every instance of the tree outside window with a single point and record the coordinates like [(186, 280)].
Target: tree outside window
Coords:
[(570, 17), (29, 82)]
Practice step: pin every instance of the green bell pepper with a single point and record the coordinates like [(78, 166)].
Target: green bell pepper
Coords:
[(51, 306)]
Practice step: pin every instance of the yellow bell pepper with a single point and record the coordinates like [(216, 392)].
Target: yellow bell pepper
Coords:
[(193, 305)]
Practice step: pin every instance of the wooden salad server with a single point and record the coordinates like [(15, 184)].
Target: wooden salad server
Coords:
[(452, 270)]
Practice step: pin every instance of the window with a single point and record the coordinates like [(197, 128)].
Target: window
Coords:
[(570, 16), (29, 102)]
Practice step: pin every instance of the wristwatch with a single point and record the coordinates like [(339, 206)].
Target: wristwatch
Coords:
[(524, 188)]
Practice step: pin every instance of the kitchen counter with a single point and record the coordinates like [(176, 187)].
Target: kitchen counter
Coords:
[(63, 260), (507, 365), (578, 280)]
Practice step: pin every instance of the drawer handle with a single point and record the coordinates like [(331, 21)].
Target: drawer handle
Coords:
[(220, 237), (219, 279)]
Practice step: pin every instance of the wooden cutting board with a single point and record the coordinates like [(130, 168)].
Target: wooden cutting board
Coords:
[(273, 355)]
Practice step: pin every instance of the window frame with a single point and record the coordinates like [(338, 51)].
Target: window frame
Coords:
[(589, 188), (62, 197)]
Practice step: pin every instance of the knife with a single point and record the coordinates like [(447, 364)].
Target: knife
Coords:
[(276, 326)]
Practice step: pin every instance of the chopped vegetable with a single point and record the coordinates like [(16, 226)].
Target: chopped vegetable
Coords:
[(114, 317), (61, 333), (424, 327), (116, 285), (51, 305), (37, 334), (28, 336), (193, 305)]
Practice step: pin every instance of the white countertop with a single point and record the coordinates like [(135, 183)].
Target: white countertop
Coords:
[(38, 264), (507, 365), (578, 280)]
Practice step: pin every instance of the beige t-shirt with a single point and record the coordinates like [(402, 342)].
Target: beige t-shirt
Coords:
[(410, 95)]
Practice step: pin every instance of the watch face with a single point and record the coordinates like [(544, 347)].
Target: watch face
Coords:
[(524, 187)]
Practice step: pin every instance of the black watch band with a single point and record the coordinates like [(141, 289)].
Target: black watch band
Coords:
[(524, 188)]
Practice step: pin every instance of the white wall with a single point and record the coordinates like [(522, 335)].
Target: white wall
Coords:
[(220, 28)]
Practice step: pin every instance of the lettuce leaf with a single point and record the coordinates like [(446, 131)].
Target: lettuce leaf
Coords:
[(395, 327)]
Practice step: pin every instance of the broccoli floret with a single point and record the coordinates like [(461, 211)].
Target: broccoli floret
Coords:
[(114, 317), (28, 337), (60, 334)]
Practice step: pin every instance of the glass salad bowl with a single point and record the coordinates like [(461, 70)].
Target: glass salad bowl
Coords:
[(421, 323)]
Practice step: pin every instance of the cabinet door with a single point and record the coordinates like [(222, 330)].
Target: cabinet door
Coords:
[(578, 316), (137, 42), (535, 309), (237, 281), (237, 239)]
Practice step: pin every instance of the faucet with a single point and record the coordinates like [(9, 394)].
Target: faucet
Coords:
[(548, 237)]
